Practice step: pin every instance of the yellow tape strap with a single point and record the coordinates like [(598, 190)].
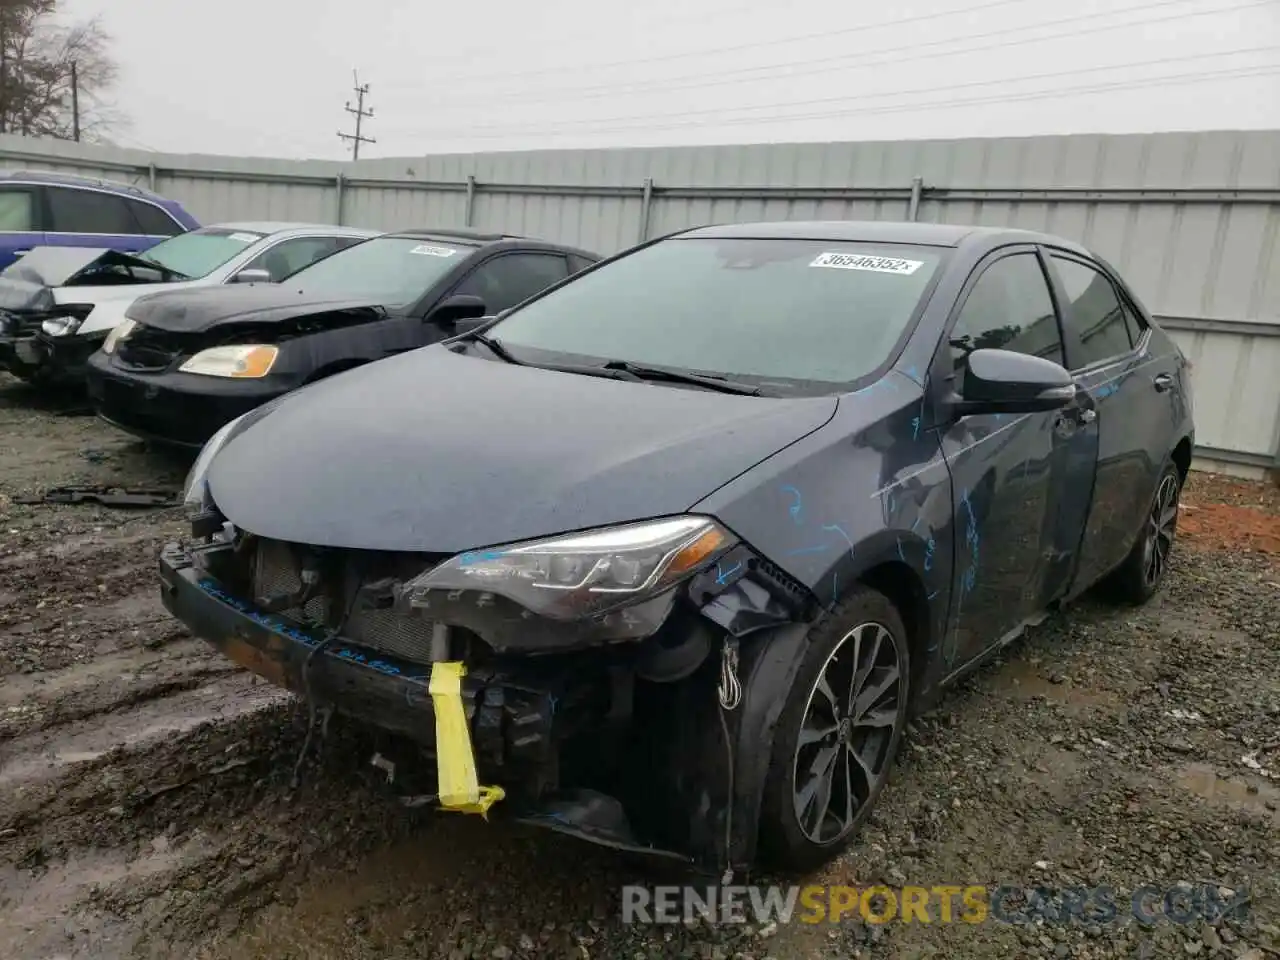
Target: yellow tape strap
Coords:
[(455, 759)]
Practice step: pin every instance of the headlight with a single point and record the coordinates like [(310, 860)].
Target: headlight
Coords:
[(119, 332), (61, 326), (245, 362), (581, 574), (195, 490)]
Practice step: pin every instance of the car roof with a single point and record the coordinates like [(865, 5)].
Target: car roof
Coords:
[(281, 226), (474, 236), (878, 231), (54, 178), (480, 239)]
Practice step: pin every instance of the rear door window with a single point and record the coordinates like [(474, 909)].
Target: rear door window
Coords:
[(1135, 324), (1091, 314), (89, 211)]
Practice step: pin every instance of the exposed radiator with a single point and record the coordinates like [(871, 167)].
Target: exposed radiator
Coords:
[(276, 572)]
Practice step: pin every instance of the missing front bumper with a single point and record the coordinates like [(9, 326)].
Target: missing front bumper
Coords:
[(512, 723)]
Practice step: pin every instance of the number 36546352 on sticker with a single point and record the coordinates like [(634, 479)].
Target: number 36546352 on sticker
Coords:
[(861, 261)]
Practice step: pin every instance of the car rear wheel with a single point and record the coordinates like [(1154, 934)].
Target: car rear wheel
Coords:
[(838, 733), (1143, 571)]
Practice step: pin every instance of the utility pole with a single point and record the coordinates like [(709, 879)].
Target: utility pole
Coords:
[(75, 104), (359, 112)]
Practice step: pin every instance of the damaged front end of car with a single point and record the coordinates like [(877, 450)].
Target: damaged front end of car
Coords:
[(591, 683)]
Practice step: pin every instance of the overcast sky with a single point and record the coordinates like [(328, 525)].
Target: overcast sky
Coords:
[(270, 77)]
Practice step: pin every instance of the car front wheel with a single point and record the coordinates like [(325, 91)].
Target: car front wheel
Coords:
[(838, 733)]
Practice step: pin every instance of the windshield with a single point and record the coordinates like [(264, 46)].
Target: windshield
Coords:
[(392, 271), (788, 315), (200, 252)]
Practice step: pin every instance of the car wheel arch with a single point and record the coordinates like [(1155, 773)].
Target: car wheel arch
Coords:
[(1181, 457), (771, 660)]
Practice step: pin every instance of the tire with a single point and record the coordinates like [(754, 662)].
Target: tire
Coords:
[(1138, 578), (792, 841)]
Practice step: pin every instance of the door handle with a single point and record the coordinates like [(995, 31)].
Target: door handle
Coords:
[(1162, 382)]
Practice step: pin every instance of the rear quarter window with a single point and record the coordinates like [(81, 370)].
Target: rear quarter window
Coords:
[(152, 220)]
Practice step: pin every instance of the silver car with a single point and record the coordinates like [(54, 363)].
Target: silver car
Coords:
[(57, 304)]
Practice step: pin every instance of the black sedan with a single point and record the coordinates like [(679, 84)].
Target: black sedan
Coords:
[(663, 557), (185, 362)]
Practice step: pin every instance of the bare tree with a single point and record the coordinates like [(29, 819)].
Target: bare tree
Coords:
[(41, 61)]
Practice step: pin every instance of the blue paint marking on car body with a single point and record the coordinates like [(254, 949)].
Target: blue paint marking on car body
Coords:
[(722, 578), (298, 634), (796, 509)]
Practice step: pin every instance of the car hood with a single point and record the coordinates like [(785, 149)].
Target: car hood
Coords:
[(436, 452), (49, 276), (196, 309), (75, 266)]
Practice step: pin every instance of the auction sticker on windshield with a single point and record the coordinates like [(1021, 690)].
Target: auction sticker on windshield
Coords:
[(860, 261), (244, 237), (426, 250)]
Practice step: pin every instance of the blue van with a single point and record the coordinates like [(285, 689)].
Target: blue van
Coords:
[(39, 208)]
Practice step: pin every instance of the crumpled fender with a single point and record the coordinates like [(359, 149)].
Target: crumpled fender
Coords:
[(767, 667)]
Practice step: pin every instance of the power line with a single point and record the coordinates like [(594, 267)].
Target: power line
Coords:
[(579, 68), (589, 30), (1172, 79), (858, 61), (359, 112), (720, 111)]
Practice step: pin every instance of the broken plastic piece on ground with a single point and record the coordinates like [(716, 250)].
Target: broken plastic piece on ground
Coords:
[(105, 496), (455, 758), (597, 818)]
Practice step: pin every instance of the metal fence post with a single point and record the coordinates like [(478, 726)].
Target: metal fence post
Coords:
[(470, 215), (913, 206), (339, 183), (646, 201)]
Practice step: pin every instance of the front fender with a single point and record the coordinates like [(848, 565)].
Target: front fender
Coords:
[(768, 665)]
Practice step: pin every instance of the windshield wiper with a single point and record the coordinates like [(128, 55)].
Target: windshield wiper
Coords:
[(721, 384), (495, 346)]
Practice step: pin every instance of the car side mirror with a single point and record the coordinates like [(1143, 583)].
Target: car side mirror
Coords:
[(460, 306), (253, 276), (1002, 381)]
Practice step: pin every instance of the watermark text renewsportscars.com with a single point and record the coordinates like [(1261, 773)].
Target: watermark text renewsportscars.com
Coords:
[(1181, 903)]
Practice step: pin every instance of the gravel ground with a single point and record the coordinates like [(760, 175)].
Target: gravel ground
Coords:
[(147, 809)]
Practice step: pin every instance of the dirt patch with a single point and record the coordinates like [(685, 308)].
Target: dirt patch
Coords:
[(1220, 513), (148, 806), (1225, 526)]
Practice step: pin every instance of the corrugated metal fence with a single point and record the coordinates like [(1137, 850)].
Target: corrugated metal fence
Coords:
[(1190, 218)]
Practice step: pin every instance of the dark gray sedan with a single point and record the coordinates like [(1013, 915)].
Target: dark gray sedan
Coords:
[(663, 557)]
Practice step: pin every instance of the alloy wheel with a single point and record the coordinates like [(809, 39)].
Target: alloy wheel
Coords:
[(1161, 525), (850, 718)]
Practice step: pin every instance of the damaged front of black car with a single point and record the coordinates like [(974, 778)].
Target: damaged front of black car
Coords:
[(183, 364), (586, 663)]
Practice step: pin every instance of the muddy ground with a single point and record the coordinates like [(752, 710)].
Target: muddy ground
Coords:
[(147, 808)]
